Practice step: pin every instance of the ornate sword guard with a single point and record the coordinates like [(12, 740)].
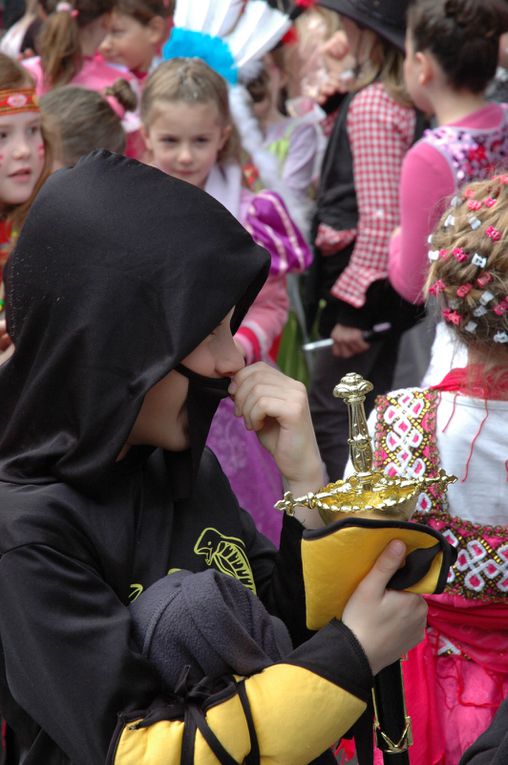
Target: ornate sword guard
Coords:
[(367, 493)]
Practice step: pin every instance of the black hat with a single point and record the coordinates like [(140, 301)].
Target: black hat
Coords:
[(386, 17)]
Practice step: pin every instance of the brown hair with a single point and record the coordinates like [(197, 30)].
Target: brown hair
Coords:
[(192, 81), (259, 87), (386, 64), (145, 10), (463, 35), (13, 75), (469, 265), (83, 120), (59, 41)]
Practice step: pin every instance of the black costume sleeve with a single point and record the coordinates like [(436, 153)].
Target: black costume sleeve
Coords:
[(277, 573), (278, 576), (71, 666)]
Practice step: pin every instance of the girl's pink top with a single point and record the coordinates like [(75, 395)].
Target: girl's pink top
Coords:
[(429, 177), (95, 74)]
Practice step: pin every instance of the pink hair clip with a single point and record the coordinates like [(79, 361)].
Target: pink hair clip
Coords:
[(493, 233), (474, 204), (482, 281), (437, 287), (64, 7), (444, 253), (452, 316), (501, 307), (468, 193), (464, 290), (459, 254), (489, 202)]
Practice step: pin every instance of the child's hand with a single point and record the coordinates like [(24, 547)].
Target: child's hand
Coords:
[(347, 341), (276, 407), (387, 623), (335, 55)]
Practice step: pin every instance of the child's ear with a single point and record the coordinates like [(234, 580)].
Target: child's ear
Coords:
[(145, 135), (157, 30), (426, 67), (226, 134)]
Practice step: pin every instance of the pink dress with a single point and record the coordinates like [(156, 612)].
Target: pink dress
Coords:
[(457, 676), (250, 469)]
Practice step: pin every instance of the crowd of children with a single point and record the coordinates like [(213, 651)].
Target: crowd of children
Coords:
[(187, 190)]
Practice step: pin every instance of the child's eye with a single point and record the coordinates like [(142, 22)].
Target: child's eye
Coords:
[(3, 135), (168, 139), (202, 139), (34, 130)]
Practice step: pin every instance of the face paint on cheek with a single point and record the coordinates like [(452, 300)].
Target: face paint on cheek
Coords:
[(1, 159)]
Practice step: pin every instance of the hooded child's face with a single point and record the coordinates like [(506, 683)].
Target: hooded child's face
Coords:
[(162, 420)]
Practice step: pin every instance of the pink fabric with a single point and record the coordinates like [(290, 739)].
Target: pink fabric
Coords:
[(265, 320), (380, 133), (251, 469), (329, 240), (95, 74), (266, 218), (451, 692), (426, 182)]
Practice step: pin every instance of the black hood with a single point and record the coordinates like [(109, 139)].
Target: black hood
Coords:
[(119, 273)]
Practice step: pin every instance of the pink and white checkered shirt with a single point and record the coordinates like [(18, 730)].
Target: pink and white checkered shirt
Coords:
[(380, 132)]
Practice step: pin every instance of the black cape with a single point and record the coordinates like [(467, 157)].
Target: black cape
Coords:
[(119, 272)]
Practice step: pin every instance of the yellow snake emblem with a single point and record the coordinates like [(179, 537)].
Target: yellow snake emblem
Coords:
[(227, 554)]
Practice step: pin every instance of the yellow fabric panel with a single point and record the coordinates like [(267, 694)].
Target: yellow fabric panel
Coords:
[(228, 722), (297, 715), (335, 564), (159, 744)]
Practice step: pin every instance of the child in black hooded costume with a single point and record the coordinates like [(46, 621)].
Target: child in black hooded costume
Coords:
[(121, 274)]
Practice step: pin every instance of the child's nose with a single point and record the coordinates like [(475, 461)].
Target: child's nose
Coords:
[(22, 149), (185, 154), (231, 361), (105, 46)]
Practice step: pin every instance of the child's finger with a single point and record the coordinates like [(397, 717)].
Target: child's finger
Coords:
[(384, 568)]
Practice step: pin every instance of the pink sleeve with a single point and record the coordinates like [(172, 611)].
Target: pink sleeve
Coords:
[(265, 320), (426, 181), (269, 223)]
